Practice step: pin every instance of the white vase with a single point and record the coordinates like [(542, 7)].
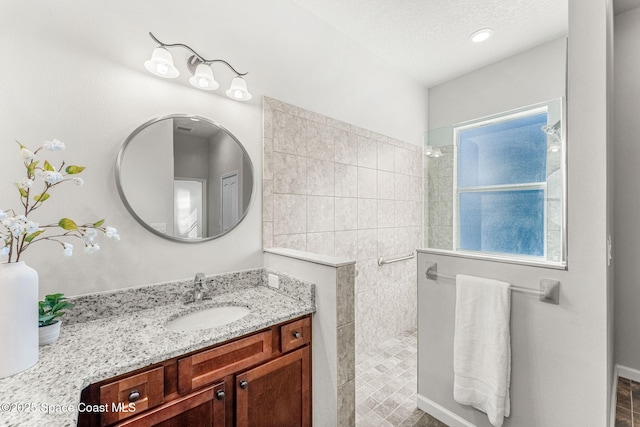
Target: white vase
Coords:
[(18, 318), (50, 333)]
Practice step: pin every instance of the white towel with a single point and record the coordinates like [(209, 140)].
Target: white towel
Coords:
[(482, 346)]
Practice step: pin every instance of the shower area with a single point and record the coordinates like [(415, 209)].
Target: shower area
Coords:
[(494, 186), (335, 189)]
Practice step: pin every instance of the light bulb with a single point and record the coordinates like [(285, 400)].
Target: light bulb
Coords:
[(204, 83), (481, 35), (237, 94), (162, 69)]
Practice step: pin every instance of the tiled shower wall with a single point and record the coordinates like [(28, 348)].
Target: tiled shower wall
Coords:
[(336, 189), (438, 176)]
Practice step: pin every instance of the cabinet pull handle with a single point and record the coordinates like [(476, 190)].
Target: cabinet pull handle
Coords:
[(297, 335), (220, 395), (134, 395), (244, 384)]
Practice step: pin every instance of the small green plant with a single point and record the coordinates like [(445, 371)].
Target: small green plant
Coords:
[(51, 308)]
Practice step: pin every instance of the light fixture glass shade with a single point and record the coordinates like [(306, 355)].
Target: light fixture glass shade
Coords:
[(203, 78), (161, 64), (238, 90)]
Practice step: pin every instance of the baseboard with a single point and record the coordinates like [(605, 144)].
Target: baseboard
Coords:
[(624, 372), (629, 373), (441, 413)]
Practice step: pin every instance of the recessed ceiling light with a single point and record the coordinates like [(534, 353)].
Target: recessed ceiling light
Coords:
[(481, 35)]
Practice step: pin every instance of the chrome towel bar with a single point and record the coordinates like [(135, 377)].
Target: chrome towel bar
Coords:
[(383, 261), (549, 288)]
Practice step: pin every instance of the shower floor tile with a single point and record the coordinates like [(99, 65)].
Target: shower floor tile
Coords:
[(386, 383)]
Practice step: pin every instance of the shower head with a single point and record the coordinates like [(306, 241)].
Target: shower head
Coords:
[(552, 130)]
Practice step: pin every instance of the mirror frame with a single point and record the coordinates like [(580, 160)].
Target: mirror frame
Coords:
[(142, 222)]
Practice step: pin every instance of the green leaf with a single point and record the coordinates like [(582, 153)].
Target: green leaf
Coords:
[(73, 169), (61, 305), (32, 236), (45, 319), (98, 224), (67, 224), (23, 192), (31, 167), (41, 197), (47, 166)]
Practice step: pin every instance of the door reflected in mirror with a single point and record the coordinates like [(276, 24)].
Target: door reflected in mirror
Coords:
[(185, 178)]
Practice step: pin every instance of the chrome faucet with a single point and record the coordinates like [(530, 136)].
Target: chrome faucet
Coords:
[(199, 286)]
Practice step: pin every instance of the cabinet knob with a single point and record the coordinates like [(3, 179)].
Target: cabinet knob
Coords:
[(220, 395), (297, 335), (134, 395), (244, 384)]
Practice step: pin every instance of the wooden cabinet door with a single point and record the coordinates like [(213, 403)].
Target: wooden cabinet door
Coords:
[(204, 408), (276, 394)]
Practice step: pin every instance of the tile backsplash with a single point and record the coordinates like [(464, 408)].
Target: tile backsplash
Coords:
[(336, 189)]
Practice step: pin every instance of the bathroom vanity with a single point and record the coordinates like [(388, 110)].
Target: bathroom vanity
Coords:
[(258, 379), (117, 348)]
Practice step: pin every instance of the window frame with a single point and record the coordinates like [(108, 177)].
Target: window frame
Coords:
[(543, 107)]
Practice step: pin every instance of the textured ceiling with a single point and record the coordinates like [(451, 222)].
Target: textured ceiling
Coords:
[(428, 39)]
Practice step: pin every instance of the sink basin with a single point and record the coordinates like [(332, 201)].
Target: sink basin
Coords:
[(208, 318)]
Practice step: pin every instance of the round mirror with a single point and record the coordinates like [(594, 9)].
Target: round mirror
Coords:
[(185, 178)]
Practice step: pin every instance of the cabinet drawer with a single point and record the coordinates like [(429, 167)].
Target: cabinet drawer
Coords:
[(295, 334), (203, 408), (145, 390), (212, 365)]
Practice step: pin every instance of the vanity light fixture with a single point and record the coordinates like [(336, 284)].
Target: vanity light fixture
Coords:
[(161, 64), (481, 35)]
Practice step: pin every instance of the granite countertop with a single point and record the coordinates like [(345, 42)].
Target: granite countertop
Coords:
[(91, 351)]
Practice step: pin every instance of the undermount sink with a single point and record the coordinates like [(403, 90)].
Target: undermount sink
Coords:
[(208, 318)]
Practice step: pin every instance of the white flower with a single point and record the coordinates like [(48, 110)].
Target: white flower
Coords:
[(78, 181), (91, 248), (32, 227), (112, 233), (16, 229), (89, 235), (54, 145), (4, 251), (52, 177), (26, 154), (3, 215), (68, 249), (25, 184)]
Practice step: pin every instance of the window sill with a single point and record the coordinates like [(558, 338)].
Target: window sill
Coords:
[(497, 258)]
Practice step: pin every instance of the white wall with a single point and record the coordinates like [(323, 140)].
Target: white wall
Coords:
[(627, 204), (73, 70), (561, 354), (536, 75)]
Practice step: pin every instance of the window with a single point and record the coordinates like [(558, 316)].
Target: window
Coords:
[(508, 184)]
